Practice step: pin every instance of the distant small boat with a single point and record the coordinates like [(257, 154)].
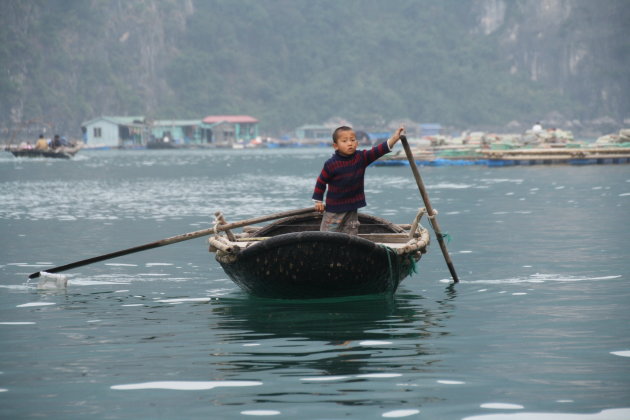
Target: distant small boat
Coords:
[(160, 144), (292, 259), (61, 153)]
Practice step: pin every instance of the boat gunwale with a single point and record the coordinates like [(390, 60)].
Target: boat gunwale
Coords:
[(246, 245)]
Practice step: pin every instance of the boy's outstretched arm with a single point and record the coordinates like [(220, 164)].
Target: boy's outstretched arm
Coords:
[(394, 138)]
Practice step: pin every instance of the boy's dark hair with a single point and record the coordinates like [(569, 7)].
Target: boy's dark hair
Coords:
[(336, 132)]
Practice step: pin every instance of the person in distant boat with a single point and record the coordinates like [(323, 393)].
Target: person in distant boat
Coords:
[(42, 143), (55, 142), (343, 174)]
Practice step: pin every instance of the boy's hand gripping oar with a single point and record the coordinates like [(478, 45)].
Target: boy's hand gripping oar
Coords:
[(174, 239), (427, 204)]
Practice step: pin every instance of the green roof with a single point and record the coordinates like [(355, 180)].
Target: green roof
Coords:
[(140, 120)]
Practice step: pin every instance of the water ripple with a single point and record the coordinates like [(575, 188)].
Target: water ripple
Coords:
[(145, 198)]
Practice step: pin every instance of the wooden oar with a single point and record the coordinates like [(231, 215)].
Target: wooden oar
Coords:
[(175, 239), (427, 204)]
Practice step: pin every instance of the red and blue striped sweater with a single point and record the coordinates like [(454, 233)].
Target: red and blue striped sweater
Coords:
[(344, 177)]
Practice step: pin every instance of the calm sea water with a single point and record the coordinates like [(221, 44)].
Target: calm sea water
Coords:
[(537, 329)]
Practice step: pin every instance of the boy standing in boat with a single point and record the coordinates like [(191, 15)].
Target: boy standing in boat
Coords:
[(343, 174)]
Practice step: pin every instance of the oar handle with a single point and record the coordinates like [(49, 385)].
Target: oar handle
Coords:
[(427, 205), (175, 239), (416, 175)]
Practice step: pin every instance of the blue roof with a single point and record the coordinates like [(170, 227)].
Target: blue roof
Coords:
[(378, 135)]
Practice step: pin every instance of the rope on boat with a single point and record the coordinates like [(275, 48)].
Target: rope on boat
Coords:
[(422, 211), (416, 228), (444, 235), (225, 247), (412, 264), (219, 221), (217, 232), (390, 271), (413, 268), (416, 222)]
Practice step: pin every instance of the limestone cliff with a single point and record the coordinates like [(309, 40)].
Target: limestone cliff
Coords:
[(485, 62), (577, 47)]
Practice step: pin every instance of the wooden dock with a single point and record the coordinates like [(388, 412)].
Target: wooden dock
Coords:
[(557, 156), (514, 157)]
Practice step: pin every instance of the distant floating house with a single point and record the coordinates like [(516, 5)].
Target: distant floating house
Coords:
[(430, 129), (180, 132), (375, 137), (226, 130), (220, 130), (312, 133), (113, 131)]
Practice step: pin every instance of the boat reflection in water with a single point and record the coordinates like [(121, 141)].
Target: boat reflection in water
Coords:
[(338, 336)]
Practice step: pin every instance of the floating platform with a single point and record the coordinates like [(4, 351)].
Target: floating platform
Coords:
[(558, 156), (433, 162), (518, 156)]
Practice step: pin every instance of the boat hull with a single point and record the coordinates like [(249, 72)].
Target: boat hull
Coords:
[(34, 153), (311, 265), (160, 145)]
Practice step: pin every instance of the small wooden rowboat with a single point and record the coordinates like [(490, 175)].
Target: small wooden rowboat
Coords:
[(292, 259)]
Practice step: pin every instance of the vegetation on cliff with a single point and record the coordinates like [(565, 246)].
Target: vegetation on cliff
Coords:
[(464, 64)]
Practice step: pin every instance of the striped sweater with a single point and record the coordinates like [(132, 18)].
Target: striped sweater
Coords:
[(344, 177)]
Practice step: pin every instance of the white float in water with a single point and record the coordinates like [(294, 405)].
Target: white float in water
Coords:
[(400, 413), (612, 414), (185, 385), (380, 375), (374, 343), (31, 304), (502, 406), (324, 378), (260, 412)]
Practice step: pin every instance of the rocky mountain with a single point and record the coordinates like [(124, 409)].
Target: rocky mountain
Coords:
[(577, 48), (499, 64)]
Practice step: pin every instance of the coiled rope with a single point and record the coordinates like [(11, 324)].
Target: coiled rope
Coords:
[(390, 270)]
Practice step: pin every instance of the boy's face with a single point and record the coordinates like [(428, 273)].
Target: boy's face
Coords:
[(346, 142)]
